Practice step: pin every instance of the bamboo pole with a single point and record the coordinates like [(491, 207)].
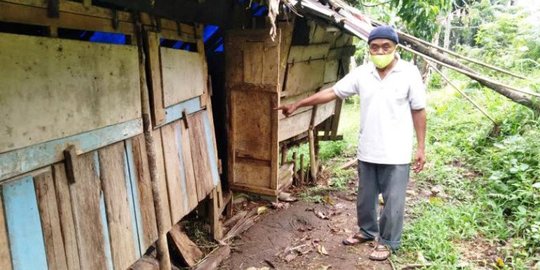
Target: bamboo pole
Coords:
[(462, 93), (162, 247), (421, 50), (471, 74), (472, 60)]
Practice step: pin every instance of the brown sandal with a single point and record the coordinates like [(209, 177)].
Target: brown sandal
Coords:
[(380, 253), (355, 239)]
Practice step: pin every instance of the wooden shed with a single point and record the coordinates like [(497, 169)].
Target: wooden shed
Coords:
[(76, 131), (263, 72), (111, 130)]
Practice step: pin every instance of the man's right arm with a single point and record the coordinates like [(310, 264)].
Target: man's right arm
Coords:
[(321, 97)]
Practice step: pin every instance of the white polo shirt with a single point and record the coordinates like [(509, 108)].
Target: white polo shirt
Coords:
[(386, 126)]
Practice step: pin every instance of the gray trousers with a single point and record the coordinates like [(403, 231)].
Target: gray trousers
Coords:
[(391, 182)]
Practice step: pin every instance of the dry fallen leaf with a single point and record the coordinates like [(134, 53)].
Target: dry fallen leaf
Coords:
[(261, 209), (290, 257), (328, 200), (500, 262), (321, 250), (320, 214)]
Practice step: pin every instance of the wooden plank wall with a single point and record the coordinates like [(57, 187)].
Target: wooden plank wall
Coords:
[(310, 68), (253, 83), (97, 211), (66, 219), (56, 64)]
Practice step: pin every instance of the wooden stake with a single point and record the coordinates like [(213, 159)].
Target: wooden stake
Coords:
[(284, 152), (462, 93), (215, 223), (162, 246), (295, 174), (312, 155), (301, 169)]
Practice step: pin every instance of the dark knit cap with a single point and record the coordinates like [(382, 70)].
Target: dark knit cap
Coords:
[(383, 31)]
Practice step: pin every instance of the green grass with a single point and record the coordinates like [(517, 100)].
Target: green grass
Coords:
[(491, 177)]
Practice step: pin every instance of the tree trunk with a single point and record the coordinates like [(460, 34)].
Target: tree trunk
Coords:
[(530, 102)]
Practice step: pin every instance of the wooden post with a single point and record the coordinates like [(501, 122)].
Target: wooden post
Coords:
[(284, 152), (301, 169), (295, 175), (312, 155), (215, 223), (162, 247)]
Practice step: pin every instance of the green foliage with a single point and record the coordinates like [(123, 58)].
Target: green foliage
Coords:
[(435, 81), (492, 177), (420, 16)]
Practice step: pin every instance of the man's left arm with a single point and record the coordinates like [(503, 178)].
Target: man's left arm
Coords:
[(419, 121)]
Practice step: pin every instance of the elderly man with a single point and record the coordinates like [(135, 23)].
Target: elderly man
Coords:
[(392, 104)]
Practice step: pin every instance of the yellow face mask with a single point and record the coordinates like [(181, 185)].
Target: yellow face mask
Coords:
[(382, 60)]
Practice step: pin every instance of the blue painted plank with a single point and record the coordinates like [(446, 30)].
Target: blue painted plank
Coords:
[(24, 225), (183, 183), (174, 112), (133, 198), (104, 223), (210, 142), (27, 159)]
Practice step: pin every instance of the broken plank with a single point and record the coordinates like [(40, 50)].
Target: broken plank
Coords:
[(50, 221), (145, 263), (189, 251), (66, 216), (214, 259), (112, 174)]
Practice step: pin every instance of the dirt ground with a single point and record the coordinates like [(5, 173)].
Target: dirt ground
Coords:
[(304, 236)]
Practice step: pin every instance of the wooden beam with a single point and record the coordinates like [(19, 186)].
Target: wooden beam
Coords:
[(189, 252), (36, 156), (176, 112)]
